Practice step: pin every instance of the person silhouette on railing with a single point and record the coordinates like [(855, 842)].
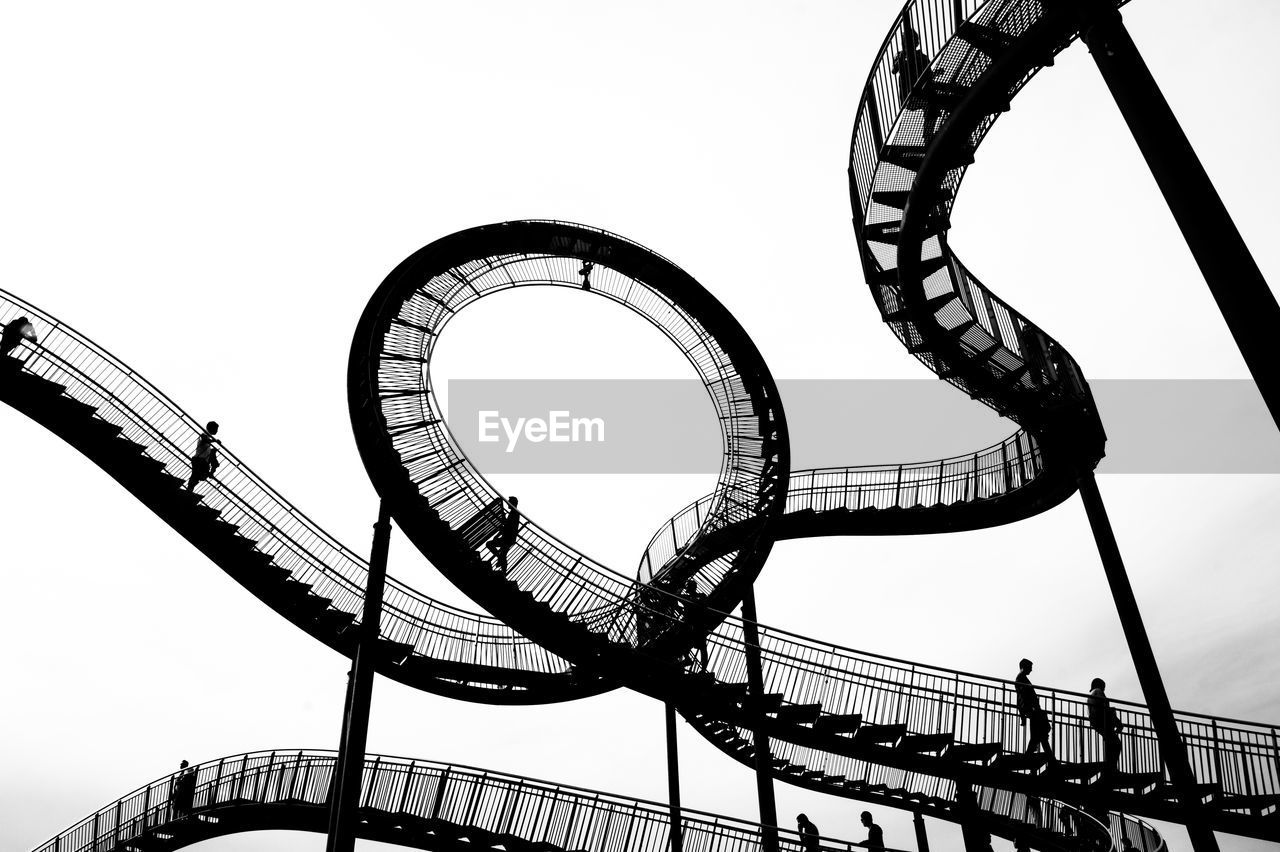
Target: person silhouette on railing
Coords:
[(16, 331), (500, 545), (909, 62), (182, 791), (909, 65), (695, 615), (875, 836), (205, 461), (1029, 710), (1035, 354), (1104, 719), (808, 834)]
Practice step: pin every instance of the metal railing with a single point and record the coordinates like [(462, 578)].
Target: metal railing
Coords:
[(896, 113), (506, 806), (1242, 757), (558, 575), (279, 529), (991, 472)]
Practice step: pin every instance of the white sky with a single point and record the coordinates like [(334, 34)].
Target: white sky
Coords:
[(212, 195)]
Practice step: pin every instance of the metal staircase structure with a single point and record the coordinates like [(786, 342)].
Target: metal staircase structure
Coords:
[(840, 721), (414, 803)]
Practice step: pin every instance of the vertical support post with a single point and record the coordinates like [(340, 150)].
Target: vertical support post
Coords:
[(922, 839), (673, 779), (1242, 294), (1172, 751), (976, 838), (755, 699), (344, 792)]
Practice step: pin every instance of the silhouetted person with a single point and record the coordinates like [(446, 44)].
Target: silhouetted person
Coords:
[(1035, 354), (1067, 819), (182, 792), (909, 62), (500, 544), (696, 615), (585, 272), (1029, 710), (205, 460), (875, 836), (808, 833), (646, 600), (16, 331), (1020, 844), (1104, 720)]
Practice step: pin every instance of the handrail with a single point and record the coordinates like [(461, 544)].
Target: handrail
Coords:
[(804, 667), (165, 428), (463, 795), (1010, 474)]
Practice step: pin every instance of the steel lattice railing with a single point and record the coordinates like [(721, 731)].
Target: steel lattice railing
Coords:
[(1241, 756), (149, 418), (992, 472), (529, 810)]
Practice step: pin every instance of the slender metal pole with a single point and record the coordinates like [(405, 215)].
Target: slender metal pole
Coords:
[(922, 838), (344, 795), (673, 779), (755, 699), (1172, 750), (1242, 294)]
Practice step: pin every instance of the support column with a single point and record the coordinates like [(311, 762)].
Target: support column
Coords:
[(344, 794), (1242, 294), (976, 838), (673, 779), (1172, 750), (755, 698), (922, 839)]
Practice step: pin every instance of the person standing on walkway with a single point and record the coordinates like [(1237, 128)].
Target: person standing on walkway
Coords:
[(1104, 720), (1029, 710), (875, 836), (16, 331), (500, 545), (205, 460), (808, 834), (695, 614), (182, 791)]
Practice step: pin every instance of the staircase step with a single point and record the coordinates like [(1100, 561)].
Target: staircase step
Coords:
[(906, 156), (1013, 762), (1207, 792), (922, 743), (989, 40), (882, 734), (1081, 771), (799, 714), (838, 723), (1258, 804), (397, 652), (336, 619), (310, 604), (1138, 782), (768, 703), (897, 198), (969, 752)]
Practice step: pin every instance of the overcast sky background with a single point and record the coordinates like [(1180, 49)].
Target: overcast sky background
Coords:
[(213, 193)]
